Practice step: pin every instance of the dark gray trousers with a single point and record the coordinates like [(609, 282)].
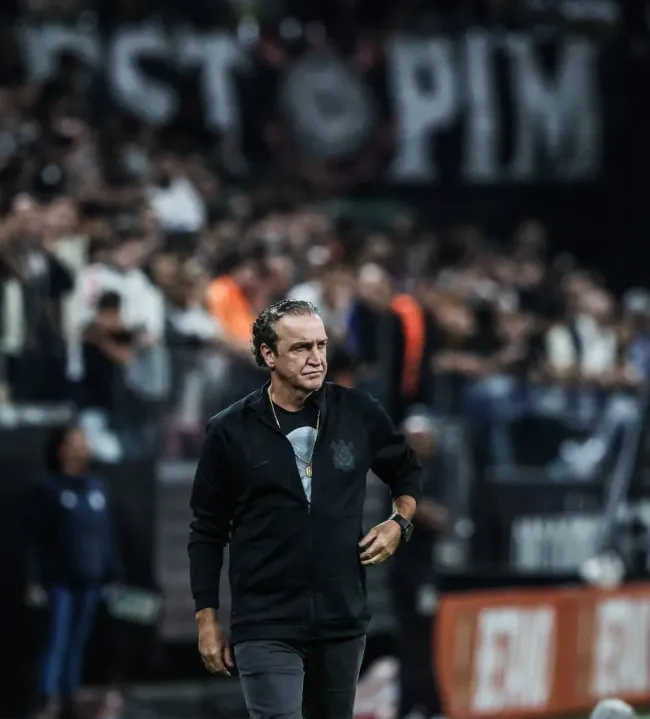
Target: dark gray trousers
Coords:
[(283, 680)]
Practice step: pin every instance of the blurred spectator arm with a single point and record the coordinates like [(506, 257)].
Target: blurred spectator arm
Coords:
[(431, 515), (153, 312), (506, 359), (61, 287), (80, 314), (91, 186), (446, 361), (560, 361), (622, 376), (28, 171), (119, 352), (235, 345), (203, 180), (457, 362)]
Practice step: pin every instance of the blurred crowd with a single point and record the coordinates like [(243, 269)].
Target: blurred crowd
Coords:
[(133, 261)]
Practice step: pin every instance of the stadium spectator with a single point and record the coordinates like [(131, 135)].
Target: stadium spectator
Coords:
[(188, 321), (375, 335), (329, 286), (108, 347), (585, 347), (34, 286), (174, 198), (197, 371), (636, 303), (414, 586), (233, 295), (142, 305), (72, 555)]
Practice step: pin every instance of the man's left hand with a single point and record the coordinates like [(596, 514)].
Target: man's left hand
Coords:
[(380, 542)]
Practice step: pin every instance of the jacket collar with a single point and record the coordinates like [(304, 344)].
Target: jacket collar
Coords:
[(260, 402)]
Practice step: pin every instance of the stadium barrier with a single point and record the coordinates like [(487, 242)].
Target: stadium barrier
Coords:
[(528, 653)]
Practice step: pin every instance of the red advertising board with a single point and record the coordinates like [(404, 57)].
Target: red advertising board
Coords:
[(531, 653)]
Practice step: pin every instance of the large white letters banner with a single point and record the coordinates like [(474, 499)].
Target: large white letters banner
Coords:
[(550, 128)]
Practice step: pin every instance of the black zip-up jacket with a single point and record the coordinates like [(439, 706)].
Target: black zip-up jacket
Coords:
[(295, 571)]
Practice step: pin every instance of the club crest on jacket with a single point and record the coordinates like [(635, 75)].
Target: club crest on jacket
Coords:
[(343, 455)]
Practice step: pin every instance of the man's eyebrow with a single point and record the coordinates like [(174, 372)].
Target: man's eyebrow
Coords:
[(306, 343)]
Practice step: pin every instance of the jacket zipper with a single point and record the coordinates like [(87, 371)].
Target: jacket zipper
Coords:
[(312, 609)]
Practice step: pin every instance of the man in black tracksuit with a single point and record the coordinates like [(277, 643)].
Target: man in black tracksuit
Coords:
[(282, 480)]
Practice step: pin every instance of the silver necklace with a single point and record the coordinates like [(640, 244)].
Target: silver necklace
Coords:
[(306, 462)]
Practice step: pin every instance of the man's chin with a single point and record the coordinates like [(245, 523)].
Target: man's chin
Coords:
[(313, 383)]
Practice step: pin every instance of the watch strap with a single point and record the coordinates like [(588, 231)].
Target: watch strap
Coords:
[(405, 525)]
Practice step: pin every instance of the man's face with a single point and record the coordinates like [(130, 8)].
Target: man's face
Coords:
[(301, 357)]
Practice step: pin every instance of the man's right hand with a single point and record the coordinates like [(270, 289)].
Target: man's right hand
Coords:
[(214, 643)]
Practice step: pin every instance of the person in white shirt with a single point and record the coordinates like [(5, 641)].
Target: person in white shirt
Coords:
[(586, 354), (587, 346), (142, 313), (142, 303), (175, 200)]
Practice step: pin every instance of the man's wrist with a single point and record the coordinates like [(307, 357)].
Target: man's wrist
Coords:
[(405, 506), (207, 615)]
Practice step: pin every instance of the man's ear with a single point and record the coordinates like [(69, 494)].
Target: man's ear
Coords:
[(268, 355)]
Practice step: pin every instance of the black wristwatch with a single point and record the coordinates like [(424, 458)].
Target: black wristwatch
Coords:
[(405, 526)]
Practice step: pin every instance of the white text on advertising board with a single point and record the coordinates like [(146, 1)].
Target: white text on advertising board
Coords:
[(513, 658)]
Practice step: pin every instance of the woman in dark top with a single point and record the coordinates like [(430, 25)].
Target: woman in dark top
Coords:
[(72, 555)]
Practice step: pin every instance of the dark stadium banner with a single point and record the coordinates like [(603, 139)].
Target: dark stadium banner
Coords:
[(537, 527), (544, 528), (481, 108), (534, 520)]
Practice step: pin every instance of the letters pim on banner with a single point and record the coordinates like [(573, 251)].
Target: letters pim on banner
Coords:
[(551, 128)]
